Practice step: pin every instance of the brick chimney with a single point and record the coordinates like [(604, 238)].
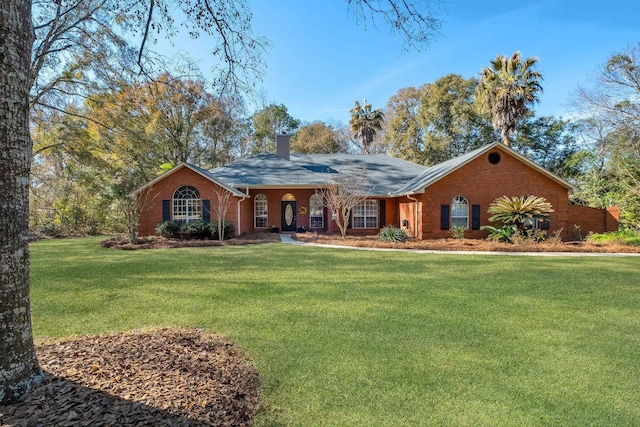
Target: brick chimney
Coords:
[(283, 143)]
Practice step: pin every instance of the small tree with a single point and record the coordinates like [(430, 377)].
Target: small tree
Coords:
[(221, 209), (347, 191), (518, 211)]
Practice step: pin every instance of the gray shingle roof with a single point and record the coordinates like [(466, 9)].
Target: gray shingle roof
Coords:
[(386, 173)]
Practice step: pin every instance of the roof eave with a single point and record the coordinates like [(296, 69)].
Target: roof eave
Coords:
[(235, 192)]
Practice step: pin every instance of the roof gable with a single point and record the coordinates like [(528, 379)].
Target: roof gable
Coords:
[(441, 170), (200, 171)]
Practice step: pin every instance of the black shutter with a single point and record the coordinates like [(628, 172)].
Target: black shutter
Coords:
[(544, 225), (382, 221), (475, 217), (444, 217), (206, 210), (166, 210)]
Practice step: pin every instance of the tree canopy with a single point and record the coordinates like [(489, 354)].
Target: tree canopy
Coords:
[(365, 123), (317, 138), (506, 91)]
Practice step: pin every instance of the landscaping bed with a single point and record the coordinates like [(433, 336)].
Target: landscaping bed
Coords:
[(177, 377), (159, 242), (452, 244)]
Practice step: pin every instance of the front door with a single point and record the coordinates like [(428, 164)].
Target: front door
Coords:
[(288, 216)]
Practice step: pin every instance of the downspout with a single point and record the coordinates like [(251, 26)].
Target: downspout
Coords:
[(416, 214), (239, 216)]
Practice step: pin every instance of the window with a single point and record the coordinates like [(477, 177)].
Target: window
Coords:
[(187, 205), (460, 212), (365, 214), (316, 212), (260, 211)]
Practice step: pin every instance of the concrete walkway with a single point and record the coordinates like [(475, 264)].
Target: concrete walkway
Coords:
[(288, 238)]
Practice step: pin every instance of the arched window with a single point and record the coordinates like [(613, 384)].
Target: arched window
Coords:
[(316, 212), (187, 205), (460, 212), (260, 211)]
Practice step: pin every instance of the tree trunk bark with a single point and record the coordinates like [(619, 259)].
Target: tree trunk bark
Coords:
[(505, 137), (18, 364)]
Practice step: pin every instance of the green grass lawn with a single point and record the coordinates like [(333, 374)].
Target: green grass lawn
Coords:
[(346, 338)]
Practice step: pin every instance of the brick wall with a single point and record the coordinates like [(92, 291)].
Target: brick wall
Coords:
[(150, 202), (594, 220), (481, 182)]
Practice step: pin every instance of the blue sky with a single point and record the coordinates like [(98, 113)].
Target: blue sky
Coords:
[(321, 60)]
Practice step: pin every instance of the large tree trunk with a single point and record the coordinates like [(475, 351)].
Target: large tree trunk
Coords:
[(18, 364)]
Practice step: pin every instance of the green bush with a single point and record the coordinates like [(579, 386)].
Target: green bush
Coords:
[(167, 229), (457, 232), (392, 234), (626, 237), (197, 229), (519, 211), (502, 234), (227, 226)]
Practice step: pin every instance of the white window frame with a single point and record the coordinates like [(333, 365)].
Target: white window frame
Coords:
[(260, 211), (316, 211), (187, 205), (460, 212), (365, 214)]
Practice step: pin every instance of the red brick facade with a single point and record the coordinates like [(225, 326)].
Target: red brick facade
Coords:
[(150, 201), (479, 180)]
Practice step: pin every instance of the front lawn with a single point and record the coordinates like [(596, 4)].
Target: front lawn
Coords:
[(344, 337)]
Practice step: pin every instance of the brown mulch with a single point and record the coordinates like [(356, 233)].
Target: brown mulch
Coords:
[(158, 242), (468, 244), (158, 377), (371, 241)]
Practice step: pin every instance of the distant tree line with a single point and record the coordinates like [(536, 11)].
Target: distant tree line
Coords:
[(91, 156)]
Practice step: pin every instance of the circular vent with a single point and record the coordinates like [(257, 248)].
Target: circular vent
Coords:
[(494, 158)]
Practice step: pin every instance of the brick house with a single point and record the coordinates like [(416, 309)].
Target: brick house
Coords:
[(279, 190)]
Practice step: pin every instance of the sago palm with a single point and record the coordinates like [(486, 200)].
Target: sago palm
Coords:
[(519, 210), (506, 91)]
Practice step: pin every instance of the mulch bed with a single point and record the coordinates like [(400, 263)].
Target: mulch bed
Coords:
[(468, 244), (158, 242), (159, 377)]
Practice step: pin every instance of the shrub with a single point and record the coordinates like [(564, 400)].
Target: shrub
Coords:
[(502, 234), (556, 237), (576, 233), (537, 235), (392, 234), (457, 232), (227, 226), (626, 237), (197, 229), (519, 211), (167, 229)]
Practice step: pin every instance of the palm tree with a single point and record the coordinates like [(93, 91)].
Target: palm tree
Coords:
[(506, 90), (364, 123), (520, 211)]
